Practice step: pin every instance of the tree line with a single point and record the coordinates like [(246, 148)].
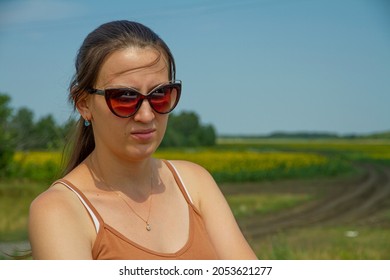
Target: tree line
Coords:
[(19, 131)]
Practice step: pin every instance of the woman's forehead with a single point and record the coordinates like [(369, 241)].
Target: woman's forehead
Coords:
[(130, 62)]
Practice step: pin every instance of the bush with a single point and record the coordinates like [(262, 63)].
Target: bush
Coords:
[(185, 130), (6, 147)]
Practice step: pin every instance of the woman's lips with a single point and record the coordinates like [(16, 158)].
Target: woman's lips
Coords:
[(145, 134)]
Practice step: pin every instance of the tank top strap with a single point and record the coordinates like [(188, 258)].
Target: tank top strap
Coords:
[(96, 218), (179, 182)]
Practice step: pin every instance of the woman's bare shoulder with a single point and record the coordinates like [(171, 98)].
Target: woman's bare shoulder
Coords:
[(53, 198), (196, 178), (58, 225), (193, 172), (189, 167)]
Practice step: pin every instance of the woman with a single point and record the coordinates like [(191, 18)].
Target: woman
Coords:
[(115, 201)]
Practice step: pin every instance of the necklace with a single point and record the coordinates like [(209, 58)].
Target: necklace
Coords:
[(147, 224)]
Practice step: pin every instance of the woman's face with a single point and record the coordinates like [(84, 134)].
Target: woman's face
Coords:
[(139, 136)]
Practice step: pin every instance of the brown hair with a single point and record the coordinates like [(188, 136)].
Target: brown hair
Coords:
[(100, 43)]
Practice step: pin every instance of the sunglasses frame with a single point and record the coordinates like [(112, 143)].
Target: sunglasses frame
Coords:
[(175, 83)]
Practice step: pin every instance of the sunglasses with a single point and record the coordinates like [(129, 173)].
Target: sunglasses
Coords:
[(125, 102)]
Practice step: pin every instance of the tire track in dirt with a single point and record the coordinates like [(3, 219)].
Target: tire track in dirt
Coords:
[(346, 202)]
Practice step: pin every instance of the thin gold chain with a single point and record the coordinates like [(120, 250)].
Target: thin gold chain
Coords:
[(118, 193), (148, 226)]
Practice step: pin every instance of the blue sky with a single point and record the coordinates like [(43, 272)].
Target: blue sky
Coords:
[(248, 67)]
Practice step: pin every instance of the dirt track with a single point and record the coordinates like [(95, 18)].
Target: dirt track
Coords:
[(359, 200)]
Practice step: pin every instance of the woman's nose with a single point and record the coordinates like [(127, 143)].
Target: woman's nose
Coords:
[(145, 113)]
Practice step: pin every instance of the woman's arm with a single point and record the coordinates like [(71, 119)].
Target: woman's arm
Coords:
[(220, 222), (59, 226)]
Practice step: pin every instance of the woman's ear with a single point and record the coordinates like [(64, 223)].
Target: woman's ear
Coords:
[(84, 109)]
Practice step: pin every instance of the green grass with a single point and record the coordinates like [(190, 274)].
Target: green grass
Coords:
[(326, 243), (15, 199), (246, 205)]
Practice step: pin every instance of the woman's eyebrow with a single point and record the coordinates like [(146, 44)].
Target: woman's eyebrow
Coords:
[(135, 88)]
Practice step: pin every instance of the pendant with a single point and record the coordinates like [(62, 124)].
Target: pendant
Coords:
[(148, 227)]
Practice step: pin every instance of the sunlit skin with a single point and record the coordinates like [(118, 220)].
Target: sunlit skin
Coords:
[(122, 160)]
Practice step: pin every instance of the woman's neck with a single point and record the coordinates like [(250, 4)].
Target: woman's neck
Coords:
[(131, 177)]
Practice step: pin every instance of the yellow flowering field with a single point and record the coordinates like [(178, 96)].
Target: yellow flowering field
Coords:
[(244, 160), (37, 165), (249, 165), (224, 165), (37, 157), (237, 161)]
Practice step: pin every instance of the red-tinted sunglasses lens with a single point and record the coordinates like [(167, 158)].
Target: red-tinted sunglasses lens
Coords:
[(164, 99), (123, 102)]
